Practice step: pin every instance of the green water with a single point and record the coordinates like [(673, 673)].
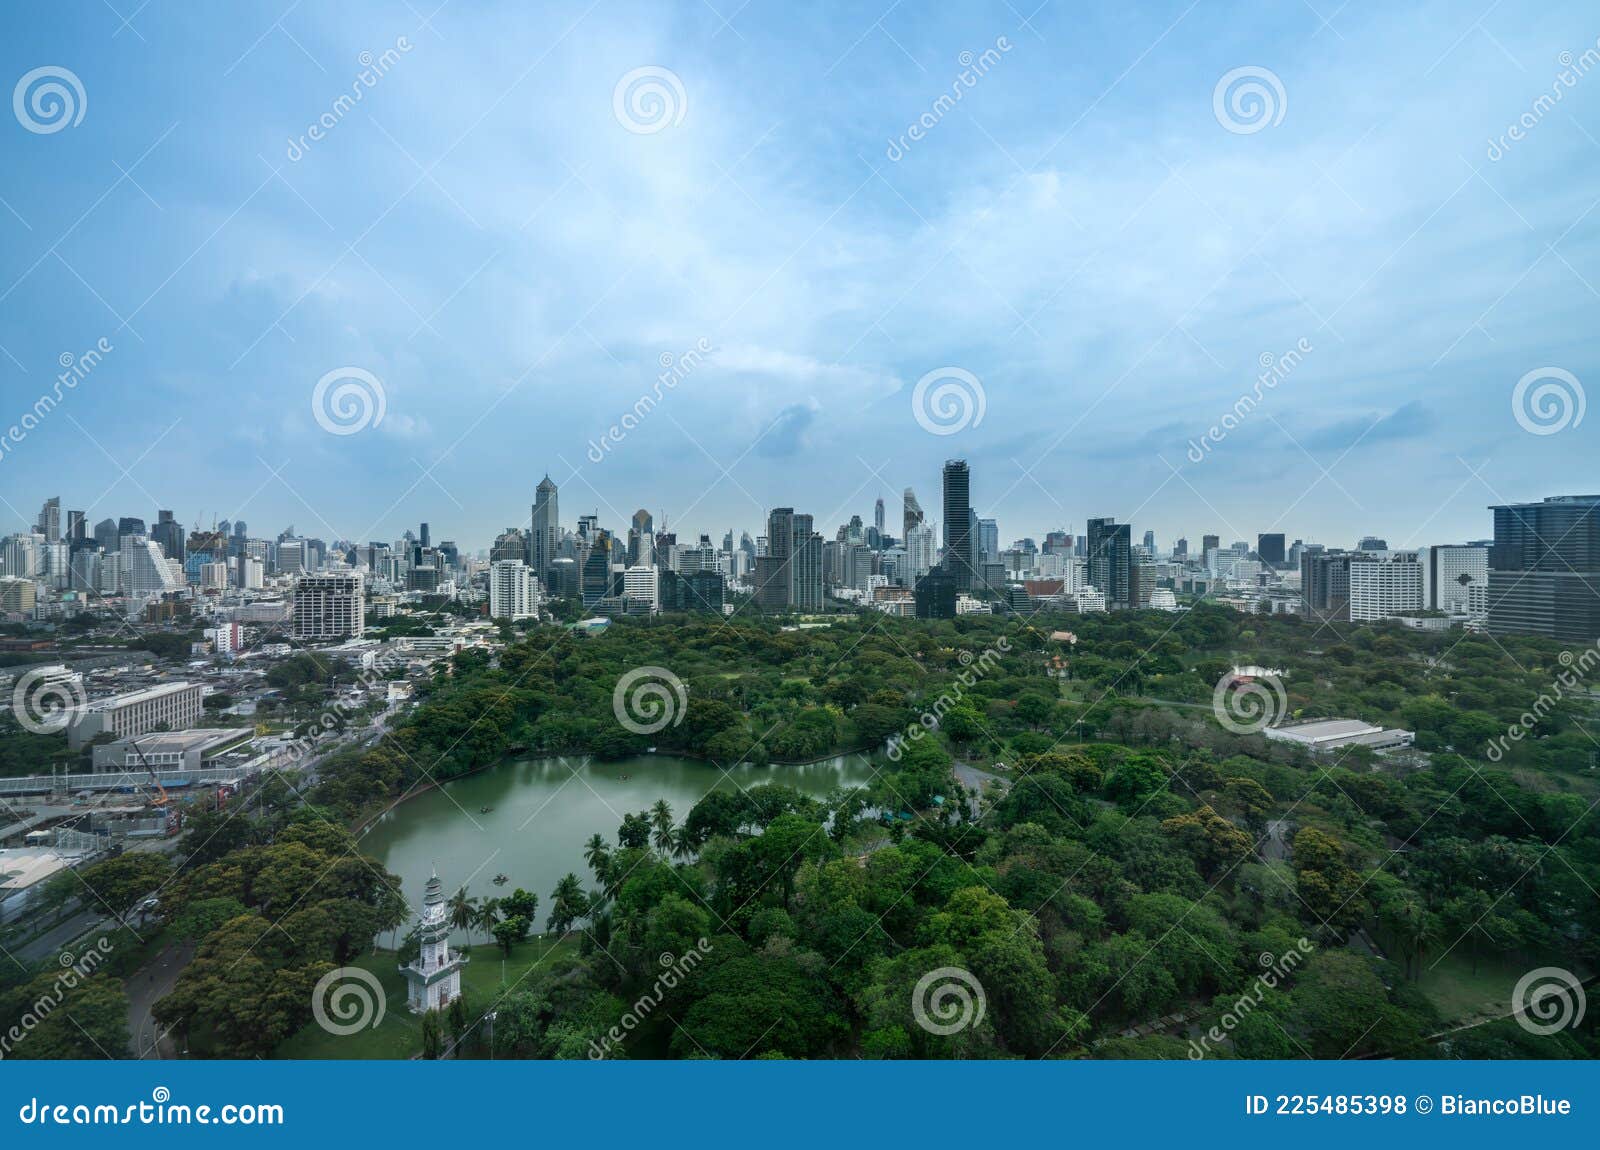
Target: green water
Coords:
[(542, 811)]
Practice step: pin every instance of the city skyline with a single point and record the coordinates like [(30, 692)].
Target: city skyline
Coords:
[(511, 267)]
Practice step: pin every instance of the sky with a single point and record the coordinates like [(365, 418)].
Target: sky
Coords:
[(462, 279)]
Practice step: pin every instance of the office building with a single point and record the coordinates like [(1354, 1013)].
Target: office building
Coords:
[(1452, 575), (958, 540), (936, 595), (544, 534), (1110, 561), (1544, 569), (1325, 585), (1270, 549), (641, 587)]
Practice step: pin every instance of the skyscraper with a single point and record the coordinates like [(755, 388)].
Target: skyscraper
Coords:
[(877, 515), (50, 519), (1209, 543), (1544, 568), (545, 528), (806, 565), (1110, 547), (911, 515), (1325, 585), (958, 557), (1270, 548), (169, 533), (775, 588), (988, 540), (641, 539)]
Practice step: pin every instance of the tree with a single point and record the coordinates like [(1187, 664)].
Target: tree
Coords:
[(661, 824), (522, 904), (510, 931), (432, 1044), (461, 912), (117, 885), (597, 853), (567, 904), (488, 914)]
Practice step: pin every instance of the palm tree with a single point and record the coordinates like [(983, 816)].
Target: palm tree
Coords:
[(597, 853), (661, 821), (682, 844), (488, 913), (462, 914), (568, 904)]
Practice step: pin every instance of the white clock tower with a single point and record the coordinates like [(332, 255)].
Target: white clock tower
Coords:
[(433, 980)]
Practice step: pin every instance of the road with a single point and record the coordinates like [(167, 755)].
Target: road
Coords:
[(51, 942), (1274, 848), (145, 989)]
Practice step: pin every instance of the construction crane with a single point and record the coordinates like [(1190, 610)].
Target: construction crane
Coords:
[(155, 780)]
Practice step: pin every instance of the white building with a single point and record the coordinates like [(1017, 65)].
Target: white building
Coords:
[(513, 590), (1388, 583), (226, 638), (642, 585), (1450, 576), (330, 606), (175, 705), (145, 571), (919, 554), (433, 978)]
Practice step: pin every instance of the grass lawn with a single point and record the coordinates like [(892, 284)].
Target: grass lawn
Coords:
[(1462, 995), (399, 1035)]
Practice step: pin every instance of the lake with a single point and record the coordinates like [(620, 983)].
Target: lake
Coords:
[(542, 811)]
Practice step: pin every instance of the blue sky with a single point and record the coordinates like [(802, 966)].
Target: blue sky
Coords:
[(1081, 233)]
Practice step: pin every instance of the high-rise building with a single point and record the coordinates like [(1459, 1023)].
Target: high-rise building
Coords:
[(988, 541), (1325, 585), (877, 516), (49, 524), (597, 568), (1372, 543), (805, 582), (545, 527), (1270, 548), (1110, 556), (911, 515), (640, 585), (1384, 584), (169, 533), (1453, 577), (641, 539), (936, 595), (776, 592), (513, 590), (919, 553), (1180, 549), (145, 570), (1209, 543), (958, 541), (329, 606), (1544, 568)]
